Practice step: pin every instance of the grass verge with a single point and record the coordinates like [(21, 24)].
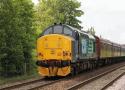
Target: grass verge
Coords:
[(17, 78)]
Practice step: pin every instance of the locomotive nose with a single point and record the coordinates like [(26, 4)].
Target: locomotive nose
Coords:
[(54, 47), (54, 55)]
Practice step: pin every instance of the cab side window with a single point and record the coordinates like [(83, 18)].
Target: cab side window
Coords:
[(48, 31), (67, 31), (77, 35)]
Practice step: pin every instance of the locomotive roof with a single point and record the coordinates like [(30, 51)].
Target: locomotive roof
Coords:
[(74, 29), (81, 31)]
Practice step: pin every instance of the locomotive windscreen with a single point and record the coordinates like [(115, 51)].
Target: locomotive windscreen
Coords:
[(58, 29)]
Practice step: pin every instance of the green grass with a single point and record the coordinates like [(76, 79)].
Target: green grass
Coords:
[(17, 78)]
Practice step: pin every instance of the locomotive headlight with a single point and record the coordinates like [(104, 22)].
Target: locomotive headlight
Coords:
[(40, 54), (65, 53), (70, 54)]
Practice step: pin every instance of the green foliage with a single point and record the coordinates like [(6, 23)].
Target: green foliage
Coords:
[(16, 36), (59, 11)]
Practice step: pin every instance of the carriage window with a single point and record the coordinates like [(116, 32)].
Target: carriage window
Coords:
[(48, 31), (67, 31), (58, 29)]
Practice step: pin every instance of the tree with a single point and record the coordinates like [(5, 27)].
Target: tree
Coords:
[(69, 10), (59, 11), (26, 18), (10, 45), (17, 36)]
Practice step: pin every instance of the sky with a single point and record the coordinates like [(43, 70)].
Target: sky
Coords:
[(106, 16)]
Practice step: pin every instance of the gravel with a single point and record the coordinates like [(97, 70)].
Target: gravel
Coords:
[(101, 82), (118, 85)]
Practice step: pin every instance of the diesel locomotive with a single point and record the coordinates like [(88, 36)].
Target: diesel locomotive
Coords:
[(64, 50)]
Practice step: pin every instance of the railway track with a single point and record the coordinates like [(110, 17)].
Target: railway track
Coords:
[(42, 83), (85, 82), (31, 85), (111, 83)]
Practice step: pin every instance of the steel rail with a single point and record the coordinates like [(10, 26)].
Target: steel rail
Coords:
[(81, 84), (32, 85), (111, 83), (43, 85), (20, 84)]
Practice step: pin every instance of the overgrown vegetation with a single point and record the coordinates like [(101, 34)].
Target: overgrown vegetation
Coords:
[(17, 37)]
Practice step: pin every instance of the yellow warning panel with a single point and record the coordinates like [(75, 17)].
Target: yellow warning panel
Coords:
[(54, 47), (54, 71)]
